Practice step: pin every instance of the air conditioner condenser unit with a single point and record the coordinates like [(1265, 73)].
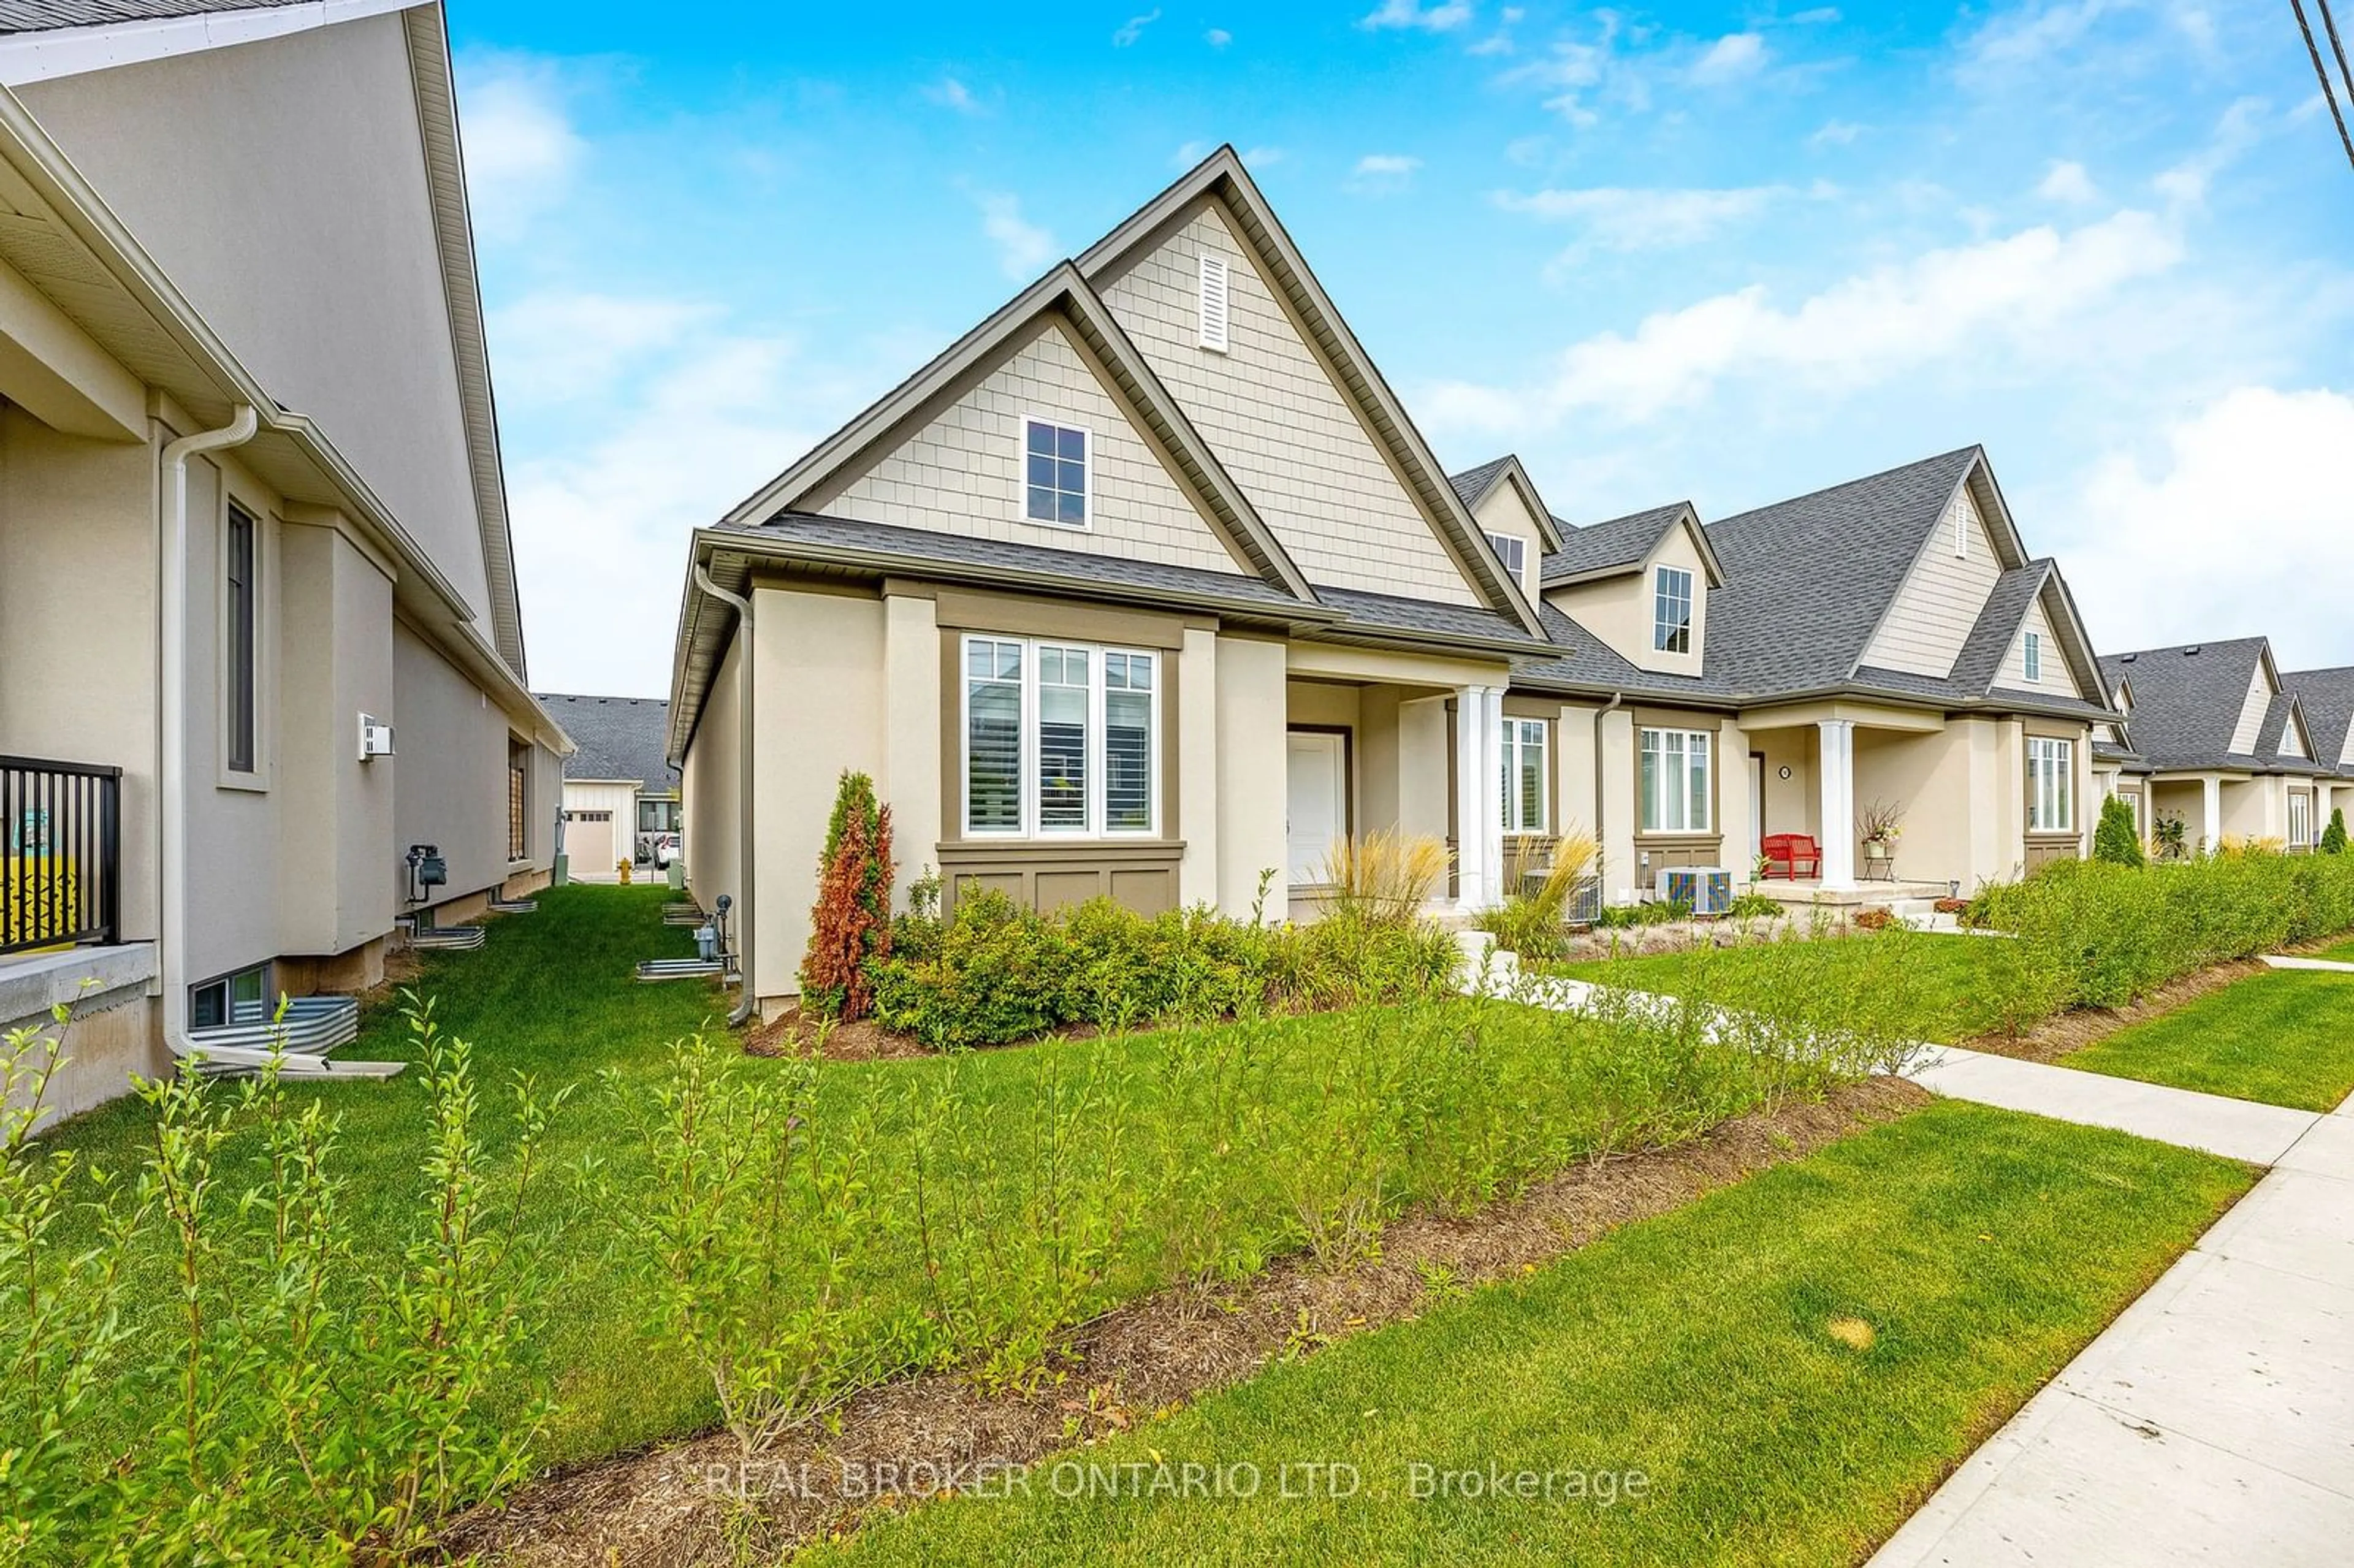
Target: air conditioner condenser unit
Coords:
[(1708, 889)]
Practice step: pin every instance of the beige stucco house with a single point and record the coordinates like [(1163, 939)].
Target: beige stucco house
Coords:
[(1148, 587), (2217, 739), (2326, 698), (258, 606), (620, 793)]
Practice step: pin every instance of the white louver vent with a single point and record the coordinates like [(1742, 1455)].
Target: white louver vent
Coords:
[(1213, 303)]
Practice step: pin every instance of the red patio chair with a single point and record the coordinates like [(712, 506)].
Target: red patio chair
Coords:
[(1792, 855)]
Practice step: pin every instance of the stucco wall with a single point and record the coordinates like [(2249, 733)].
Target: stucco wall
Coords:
[(282, 184), (1501, 510), (1270, 408), (1927, 776), (451, 774), (1622, 610), (2256, 809), (1251, 717), (1932, 615), (711, 789)]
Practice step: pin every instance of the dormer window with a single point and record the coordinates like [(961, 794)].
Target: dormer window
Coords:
[(2034, 657), (1672, 610), (1055, 466), (1512, 550)]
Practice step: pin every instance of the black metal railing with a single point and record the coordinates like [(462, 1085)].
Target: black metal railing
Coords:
[(60, 854)]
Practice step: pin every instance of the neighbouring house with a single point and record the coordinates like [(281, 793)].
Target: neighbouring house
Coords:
[(1148, 587), (260, 637), (2221, 745), (620, 794), (2327, 698)]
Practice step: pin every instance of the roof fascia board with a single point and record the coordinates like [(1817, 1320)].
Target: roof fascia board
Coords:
[(57, 52), (1222, 176)]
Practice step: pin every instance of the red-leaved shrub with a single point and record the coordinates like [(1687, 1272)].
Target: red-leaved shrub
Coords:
[(850, 925)]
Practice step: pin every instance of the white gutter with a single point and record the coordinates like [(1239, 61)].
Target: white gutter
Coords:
[(171, 676), (748, 995)]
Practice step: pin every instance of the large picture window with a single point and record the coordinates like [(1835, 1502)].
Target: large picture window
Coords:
[(1677, 790), (2050, 785), (1524, 776), (1672, 610), (1061, 739)]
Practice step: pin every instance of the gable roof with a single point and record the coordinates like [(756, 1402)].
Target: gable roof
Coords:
[(619, 737), (1622, 545), (1222, 176), (1809, 580), (1473, 485), (2187, 704), (2327, 698), (1066, 296), (50, 15)]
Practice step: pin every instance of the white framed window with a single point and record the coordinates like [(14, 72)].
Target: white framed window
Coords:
[(2300, 819), (1523, 778), (1677, 790), (2032, 655), (1216, 302), (1056, 478), (242, 998), (2050, 785), (1061, 739), (1672, 610), (1513, 551), (240, 618)]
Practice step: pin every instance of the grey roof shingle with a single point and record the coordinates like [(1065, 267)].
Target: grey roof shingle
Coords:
[(1382, 611), (48, 16), (1600, 548), (619, 737), (2187, 703), (2328, 696), (1980, 659), (1474, 482)]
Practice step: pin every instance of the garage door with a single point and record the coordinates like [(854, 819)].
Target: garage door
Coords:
[(588, 842)]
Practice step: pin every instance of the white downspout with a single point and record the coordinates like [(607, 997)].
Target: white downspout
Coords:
[(172, 693), (747, 994)]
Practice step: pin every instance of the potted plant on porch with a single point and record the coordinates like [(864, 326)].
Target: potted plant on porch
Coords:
[(1879, 827)]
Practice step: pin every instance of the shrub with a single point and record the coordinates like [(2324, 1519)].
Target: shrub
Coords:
[(2169, 839), (1753, 907), (2117, 840), (1540, 882), (850, 927), (1384, 876), (1875, 918), (2333, 837)]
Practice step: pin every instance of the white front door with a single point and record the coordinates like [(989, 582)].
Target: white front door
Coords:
[(1318, 802)]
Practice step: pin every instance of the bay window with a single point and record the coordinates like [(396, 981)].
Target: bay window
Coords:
[(1524, 776), (1061, 739), (2050, 785), (1677, 790)]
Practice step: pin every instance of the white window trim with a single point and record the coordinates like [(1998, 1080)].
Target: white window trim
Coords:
[(2030, 657), (2050, 781), (257, 780), (2308, 838), (1642, 802), (1030, 830), (1087, 476), (1497, 542), (1516, 744), (1217, 267), (1660, 630)]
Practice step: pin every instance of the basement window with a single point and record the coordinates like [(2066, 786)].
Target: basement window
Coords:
[(240, 998)]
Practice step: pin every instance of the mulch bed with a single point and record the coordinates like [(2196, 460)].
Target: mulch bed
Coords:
[(662, 1509), (864, 1041), (2079, 1027)]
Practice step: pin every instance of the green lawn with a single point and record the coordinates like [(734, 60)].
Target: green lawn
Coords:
[(2286, 1038), (1982, 1248), (1943, 976), (2341, 954), (1221, 1133)]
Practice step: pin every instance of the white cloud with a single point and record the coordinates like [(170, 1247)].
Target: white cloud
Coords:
[(1023, 248), (1836, 133), (1729, 59), (1616, 218), (2017, 295), (2066, 181), (2220, 533), (521, 149), (563, 346), (1378, 172), (2240, 129), (1440, 19), (1821, 15), (950, 93), (1133, 29), (2029, 36), (1217, 38)]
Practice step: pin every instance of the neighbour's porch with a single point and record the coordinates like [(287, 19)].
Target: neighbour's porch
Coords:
[(1824, 773)]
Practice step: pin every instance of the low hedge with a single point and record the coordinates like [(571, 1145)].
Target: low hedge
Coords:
[(997, 972), (2093, 933)]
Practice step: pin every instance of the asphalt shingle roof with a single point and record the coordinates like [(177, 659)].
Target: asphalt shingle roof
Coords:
[(2328, 699), (47, 16), (1383, 611), (2187, 702), (1474, 482), (619, 737), (1980, 659), (1599, 548)]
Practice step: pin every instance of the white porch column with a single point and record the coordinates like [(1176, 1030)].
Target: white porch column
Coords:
[(1836, 769), (2210, 806), (1478, 795)]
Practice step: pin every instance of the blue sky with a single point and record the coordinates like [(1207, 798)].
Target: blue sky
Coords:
[(1727, 254)]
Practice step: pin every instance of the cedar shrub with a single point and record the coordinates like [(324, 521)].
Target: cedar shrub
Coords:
[(2115, 839), (850, 925)]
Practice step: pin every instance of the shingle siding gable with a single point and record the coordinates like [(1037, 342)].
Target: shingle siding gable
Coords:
[(2249, 732), (962, 472), (2054, 675), (1933, 613), (1269, 407)]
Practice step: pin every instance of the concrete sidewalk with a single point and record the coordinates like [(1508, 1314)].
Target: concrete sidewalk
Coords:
[(2237, 1129), (2214, 1422)]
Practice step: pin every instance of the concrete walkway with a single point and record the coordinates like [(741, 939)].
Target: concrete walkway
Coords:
[(2327, 966), (2237, 1129)]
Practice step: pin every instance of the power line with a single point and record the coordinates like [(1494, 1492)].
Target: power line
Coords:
[(2322, 71), (2330, 24)]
